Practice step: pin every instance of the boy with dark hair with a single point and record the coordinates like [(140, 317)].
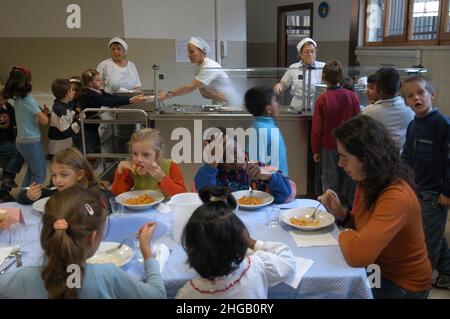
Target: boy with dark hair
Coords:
[(390, 109), (372, 94), (63, 124), (12, 159), (260, 101), (427, 152), (331, 109)]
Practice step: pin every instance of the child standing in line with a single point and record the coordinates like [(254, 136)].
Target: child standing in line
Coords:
[(390, 109), (93, 96), (28, 117), (62, 119), (261, 103), (67, 168), (75, 84), (72, 229), (147, 168), (230, 263), (372, 94), (427, 152), (331, 109), (13, 160)]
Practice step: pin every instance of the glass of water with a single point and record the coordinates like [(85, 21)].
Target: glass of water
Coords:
[(272, 217), (116, 207)]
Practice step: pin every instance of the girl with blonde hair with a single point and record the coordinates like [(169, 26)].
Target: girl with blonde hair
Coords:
[(147, 168)]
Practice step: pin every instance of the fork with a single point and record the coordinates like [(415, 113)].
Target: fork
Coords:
[(11, 254), (53, 188), (120, 245), (313, 216)]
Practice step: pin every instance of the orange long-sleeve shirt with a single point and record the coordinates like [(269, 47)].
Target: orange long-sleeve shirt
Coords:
[(170, 185), (391, 236)]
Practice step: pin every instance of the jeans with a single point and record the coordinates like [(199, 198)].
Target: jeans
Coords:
[(434, 219), (335, 178), (34, 156), (14, 159), (389, 290)]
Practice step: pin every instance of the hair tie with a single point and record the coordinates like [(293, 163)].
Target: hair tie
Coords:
[(89, 209), (102, 202), (60, 224)]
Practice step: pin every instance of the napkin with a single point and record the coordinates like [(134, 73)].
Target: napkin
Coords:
[(162, 253), (313, 238), (5, 251), (13, 216), (303, 265)]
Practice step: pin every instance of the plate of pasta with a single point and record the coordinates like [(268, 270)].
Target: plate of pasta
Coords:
[(107, 254), (300, 218), (140, 199), (257, 200)]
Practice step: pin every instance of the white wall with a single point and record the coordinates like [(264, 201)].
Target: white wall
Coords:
[(168, 19), (180, 19), (262, 20)]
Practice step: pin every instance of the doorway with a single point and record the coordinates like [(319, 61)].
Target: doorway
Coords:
[(295, 22)]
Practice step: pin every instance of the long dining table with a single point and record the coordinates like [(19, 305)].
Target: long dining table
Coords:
[(329, 276)]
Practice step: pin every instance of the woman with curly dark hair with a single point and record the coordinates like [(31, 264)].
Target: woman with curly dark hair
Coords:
[(385, 225)]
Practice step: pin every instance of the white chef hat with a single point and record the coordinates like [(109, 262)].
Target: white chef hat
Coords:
[(121, 42), (201, 44), (304, 41)]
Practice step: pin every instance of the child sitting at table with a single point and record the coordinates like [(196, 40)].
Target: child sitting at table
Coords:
[(67, 168), (147, 168), (239, 176), (72, 229), (230, 263)]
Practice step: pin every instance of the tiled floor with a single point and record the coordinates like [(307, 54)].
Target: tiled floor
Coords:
[(434, 293)]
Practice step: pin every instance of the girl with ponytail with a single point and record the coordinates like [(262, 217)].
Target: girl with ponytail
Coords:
[(72, 229), (230, 263)]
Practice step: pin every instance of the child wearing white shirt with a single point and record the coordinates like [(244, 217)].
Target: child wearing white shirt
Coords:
[(230, 263)]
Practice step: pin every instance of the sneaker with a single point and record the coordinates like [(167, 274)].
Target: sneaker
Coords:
[(442, 282)]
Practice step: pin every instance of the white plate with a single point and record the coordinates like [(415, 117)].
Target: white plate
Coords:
[(266, 197), (158, 196), (118, 257), (326, 219), (39, 205)]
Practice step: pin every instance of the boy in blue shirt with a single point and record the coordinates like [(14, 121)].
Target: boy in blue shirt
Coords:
[(426, 151), (261, 103)]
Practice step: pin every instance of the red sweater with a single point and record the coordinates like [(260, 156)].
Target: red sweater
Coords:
[(170, 185), (331, 109)]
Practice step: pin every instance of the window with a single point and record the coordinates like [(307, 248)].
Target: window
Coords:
[(447, 17), (424, 23), (407, 22), (395, 20), (374, 24)]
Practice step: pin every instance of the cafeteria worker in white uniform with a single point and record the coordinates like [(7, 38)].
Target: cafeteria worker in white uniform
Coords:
[(212, 83), (118, 73), (307, 49)]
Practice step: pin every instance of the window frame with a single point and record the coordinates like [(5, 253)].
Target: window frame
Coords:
[(442, 37), (445, 35)]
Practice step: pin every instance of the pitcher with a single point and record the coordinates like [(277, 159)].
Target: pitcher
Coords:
[(182, 206)]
